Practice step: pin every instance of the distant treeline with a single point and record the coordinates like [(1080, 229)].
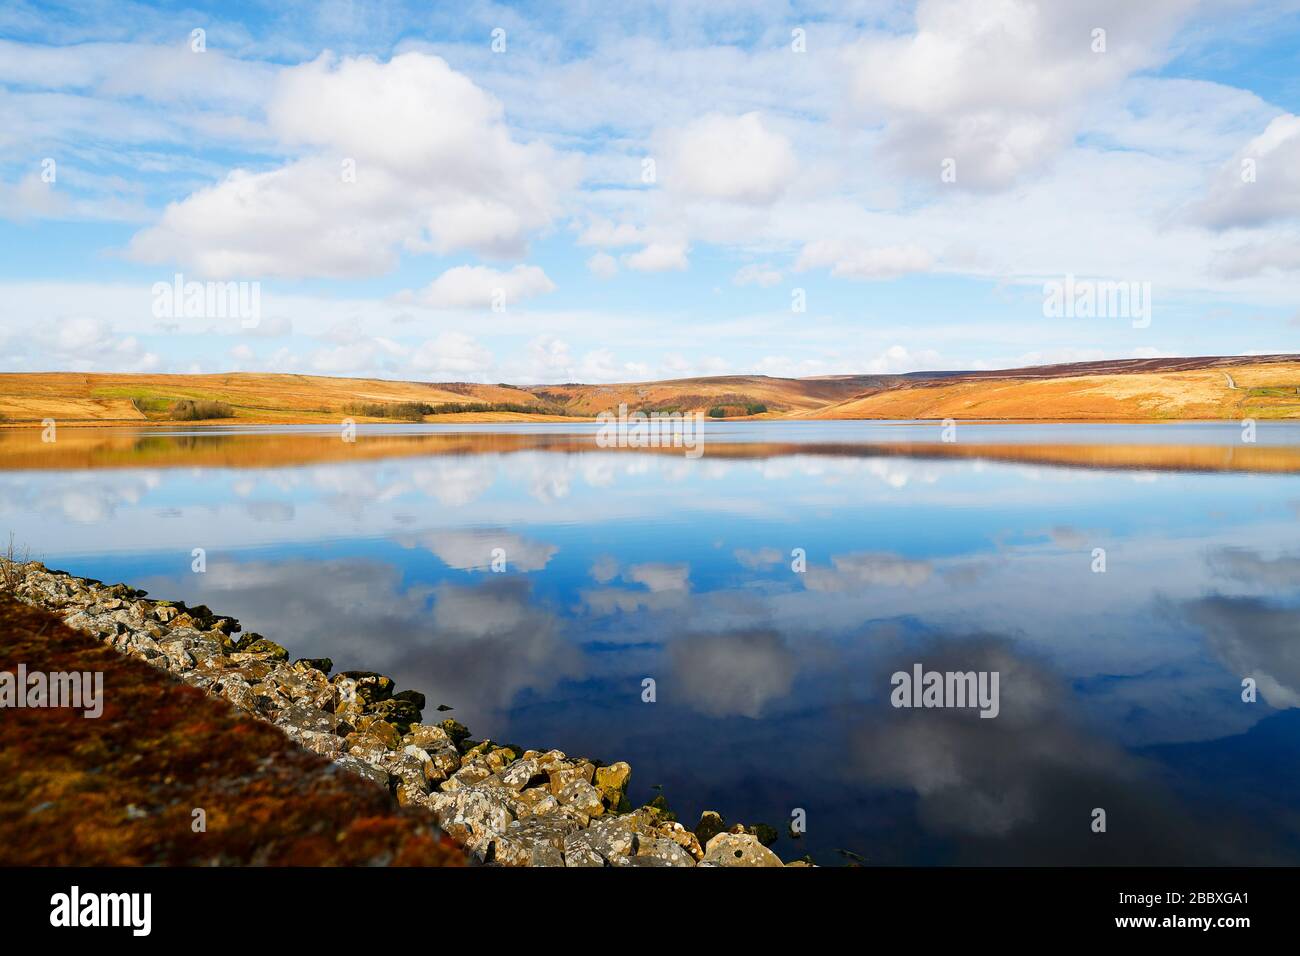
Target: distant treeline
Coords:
[(193, 410), (415, 411), (750, 408)]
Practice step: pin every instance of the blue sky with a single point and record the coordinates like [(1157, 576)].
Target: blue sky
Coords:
[(385, 176)]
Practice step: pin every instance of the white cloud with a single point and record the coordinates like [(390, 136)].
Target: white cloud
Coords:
[(852, 262), (997, 86), (1279, 256), (660, 577), (602, 264), (479, 286), (1240, 196), (602, 232), (658, 257), (436, 169), (453, 355), (732, 159)]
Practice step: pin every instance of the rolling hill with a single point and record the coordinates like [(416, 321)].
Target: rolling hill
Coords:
[(1213, 387)]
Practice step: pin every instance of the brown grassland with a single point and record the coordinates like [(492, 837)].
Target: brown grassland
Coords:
[(1262, 387)]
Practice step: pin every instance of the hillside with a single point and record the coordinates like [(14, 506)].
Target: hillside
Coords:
[(1125, 390)]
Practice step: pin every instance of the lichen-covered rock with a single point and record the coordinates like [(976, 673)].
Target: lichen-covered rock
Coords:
[(537, 841), (661, 851), (322, 664), (581, 796), (473, 818), (606, 842), (351, 764), (612, 783), (738, 849), (380, 729), (564, 772), (371, 687), (430, 737), (506, 805), (521, 773)]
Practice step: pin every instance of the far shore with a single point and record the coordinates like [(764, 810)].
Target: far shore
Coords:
[(1133, 391)]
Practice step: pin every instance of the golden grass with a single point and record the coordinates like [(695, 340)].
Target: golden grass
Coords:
[(1263, 391), (1267, 389)]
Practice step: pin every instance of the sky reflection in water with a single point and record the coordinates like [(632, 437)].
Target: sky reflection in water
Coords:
[(1118, 690)]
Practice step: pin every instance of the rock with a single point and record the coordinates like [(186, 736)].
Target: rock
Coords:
[(380, 729), (365, 747), (351, 764), (521, 774), (710, 825), (399, 713), (659, 807), (325, 744), (322, 664), (563, 773), (606, 842), (612, 783), (467, 776), (473, 818), (766, 835), (371, 687), (268, 650), (536, 802), (683, 837), (296, 718), (661, 851), (429, 737), (411, 767), (413, 697), (536, 841), (581, 796), (457, 731), (738, 849)]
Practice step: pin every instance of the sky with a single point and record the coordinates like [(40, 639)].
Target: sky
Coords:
[(606, 192)]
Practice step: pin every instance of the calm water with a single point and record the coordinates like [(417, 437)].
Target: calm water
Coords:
[(1120, 690)]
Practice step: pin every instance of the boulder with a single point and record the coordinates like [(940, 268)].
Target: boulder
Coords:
[(612, 783), (738, 849)]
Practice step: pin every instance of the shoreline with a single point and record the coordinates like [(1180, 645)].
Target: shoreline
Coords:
[(502, 804), (471, 419)]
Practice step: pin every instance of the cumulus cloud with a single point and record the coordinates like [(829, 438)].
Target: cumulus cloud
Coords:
[(407, 154), (658, 257), (1258, 185), (729, 674), (660, 577), (850, 572), (480, 286), (997, 86), (473, 549), (451, 354), (1254, 638), (728, 158)]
